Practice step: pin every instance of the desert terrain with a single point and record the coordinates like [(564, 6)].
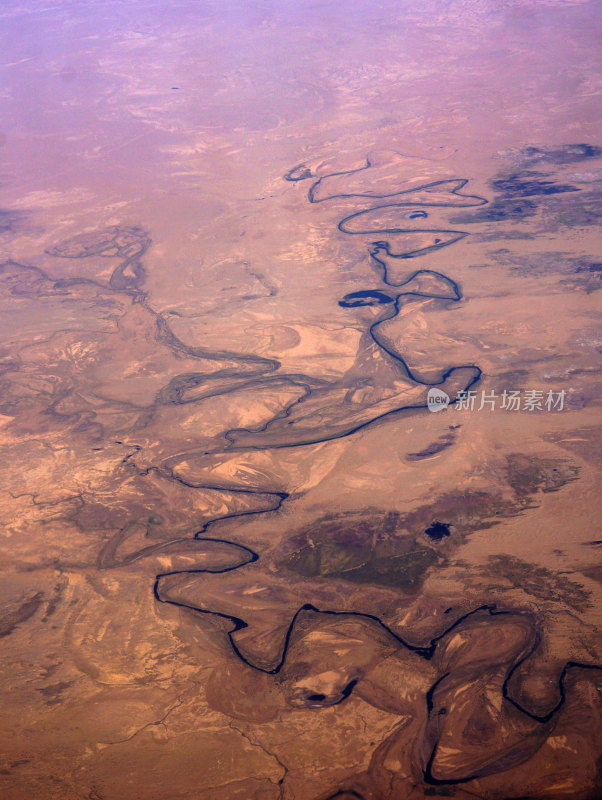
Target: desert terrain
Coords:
[(243, 246)]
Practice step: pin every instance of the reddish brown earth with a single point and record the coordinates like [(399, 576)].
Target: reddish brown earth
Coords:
[(241, 559)]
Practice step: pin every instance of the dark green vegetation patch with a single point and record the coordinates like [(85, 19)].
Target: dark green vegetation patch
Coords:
[(364, 550), (540, 582), (528, 475)]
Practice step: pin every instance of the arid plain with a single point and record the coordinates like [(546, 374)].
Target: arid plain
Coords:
[(240, 242)]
